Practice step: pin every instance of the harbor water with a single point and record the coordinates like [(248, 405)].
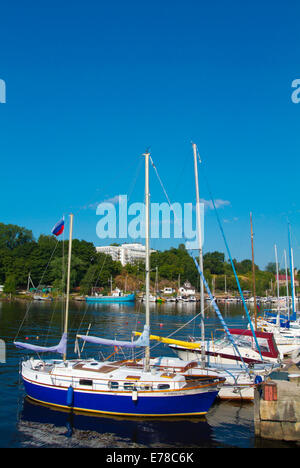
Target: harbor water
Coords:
[(24, 423)]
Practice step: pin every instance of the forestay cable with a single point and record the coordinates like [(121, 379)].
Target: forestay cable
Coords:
[(213, 302), (233, 267)]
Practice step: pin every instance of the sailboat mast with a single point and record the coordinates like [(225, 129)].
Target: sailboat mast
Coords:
[(277, 281), (253, 275), (200, 254), (292, 276), (287, 285), (147, 246), (292, 273), (68, 278)]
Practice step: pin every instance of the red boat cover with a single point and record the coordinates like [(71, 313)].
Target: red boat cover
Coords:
[(265, 340)]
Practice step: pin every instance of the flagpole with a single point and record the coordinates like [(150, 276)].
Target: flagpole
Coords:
[(68, 279)]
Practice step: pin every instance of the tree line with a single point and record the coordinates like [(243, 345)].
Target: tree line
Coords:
[(45, 260)]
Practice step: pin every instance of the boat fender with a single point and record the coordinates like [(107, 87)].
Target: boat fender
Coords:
[(134, 394), (258, 379), (70, 396)]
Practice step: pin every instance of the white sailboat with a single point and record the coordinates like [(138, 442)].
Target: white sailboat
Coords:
[(222, 355), (42, 297), (284, 327), (220, 351), (131, 388)]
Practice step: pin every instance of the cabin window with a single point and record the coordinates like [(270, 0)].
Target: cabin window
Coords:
[(86, 382), (128, 386), (113, 385), (163, 386), (145, 387)]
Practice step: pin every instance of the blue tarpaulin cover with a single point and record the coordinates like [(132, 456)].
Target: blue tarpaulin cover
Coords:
[(60, 348), (142, 341)]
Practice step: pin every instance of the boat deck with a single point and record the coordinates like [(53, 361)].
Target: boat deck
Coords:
[(103, 369)]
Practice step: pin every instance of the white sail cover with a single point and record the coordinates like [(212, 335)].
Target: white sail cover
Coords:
[(142, 341), (60, 348)]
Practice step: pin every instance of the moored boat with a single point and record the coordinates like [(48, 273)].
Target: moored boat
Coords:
[(116, 387), (119, 388), (112, 298), (42, 297), (221, 351)]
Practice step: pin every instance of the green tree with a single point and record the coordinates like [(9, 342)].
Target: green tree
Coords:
[(58, 272), (174, 262), (244, 266), (271, 267), (89, 279), (12, 236), (10, 285), (214, 262), (99, 273)]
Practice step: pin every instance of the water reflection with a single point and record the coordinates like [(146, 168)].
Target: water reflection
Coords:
[(226, 425), (105, 431)]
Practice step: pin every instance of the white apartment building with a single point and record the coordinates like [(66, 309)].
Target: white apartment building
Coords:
[(125, 253)]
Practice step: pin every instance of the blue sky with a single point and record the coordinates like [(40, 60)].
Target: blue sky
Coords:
[(90, 85)]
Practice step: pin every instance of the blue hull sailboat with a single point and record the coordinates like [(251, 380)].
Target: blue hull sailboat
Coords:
[(124, 391), (128, 387), (111, 299)]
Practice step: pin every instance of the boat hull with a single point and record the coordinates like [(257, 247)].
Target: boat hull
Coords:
[(179, 403), (212, 357), (110, 299), (42, 298)]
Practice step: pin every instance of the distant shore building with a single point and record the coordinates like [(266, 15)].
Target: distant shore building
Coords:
[(282, 279), (187, 289), (168, 290), (125, 253)]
